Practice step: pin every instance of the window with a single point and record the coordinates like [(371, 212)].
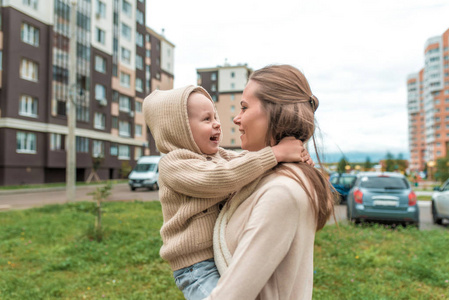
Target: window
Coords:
[(213, 76), (126, 31), (214, 97), (30, 34), (1, 60), (28, 106), (139, 17), (138, 130), (82, 144), (100, 92), (139, 62), (232, 108), (139, 39), (28, 70), (115, 122), (213, 88), (99, 120), (113, 150), (101, 9), (26, 142), (125, 79), (56, 141), (126, 55), (232, 130), (126, 8), (98, 149), (232, 141), (100, 64), (147, 38), (123, 152), (30, 3), (148, 52), (124, 129), (138, 106), (124, 103), (83, 51), (139, 85), (100, 36), (60, 108), (232, 97), (232, 85), (232, 74), (137, 152)]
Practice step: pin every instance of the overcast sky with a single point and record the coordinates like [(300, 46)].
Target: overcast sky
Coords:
[(356, 54)]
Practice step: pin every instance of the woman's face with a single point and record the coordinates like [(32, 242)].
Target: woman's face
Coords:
[(252, 119)]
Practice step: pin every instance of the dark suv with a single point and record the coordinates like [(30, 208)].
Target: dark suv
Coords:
[(343, 183)]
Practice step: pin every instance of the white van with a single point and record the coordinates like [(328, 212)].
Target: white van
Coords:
[(145, 174)]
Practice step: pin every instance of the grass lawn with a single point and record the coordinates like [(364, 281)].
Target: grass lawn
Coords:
[(46, 253), (58, 184)]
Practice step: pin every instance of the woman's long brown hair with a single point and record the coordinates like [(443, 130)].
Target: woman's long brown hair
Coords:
[(288, 100)]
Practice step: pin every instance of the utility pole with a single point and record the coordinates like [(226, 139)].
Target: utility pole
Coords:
[(71, 110)]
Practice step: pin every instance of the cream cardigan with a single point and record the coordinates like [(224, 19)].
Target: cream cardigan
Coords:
[(269, 241)]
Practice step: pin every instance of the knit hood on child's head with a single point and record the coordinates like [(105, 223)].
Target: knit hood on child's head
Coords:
[(166, 114)]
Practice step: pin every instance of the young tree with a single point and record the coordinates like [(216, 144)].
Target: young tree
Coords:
[(341, 168), (368, 165), (389, 162)]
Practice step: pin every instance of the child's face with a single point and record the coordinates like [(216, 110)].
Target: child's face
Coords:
[(205, 127)]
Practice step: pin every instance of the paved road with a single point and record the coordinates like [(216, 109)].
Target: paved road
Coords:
[(22, 199), (38, 197)]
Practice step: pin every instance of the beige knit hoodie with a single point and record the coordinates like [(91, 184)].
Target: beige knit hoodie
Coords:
[(193, 184)]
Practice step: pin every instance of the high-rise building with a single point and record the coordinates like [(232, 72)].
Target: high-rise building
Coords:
[(428, 105), (112, 78), (225, 84)]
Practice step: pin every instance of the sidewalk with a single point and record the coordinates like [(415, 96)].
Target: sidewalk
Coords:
[(27, 198)]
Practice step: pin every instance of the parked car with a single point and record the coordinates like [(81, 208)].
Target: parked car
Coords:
[(440, 203), (382, 196), (342, 183), (145, 174)]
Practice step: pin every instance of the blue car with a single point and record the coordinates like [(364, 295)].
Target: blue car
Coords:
[(342, 184), (382, 196)]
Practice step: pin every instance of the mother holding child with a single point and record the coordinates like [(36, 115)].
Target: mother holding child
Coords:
[(265, 206)]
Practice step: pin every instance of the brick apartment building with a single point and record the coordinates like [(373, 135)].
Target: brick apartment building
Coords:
[(428, 104), (225, 84), (119, 61)]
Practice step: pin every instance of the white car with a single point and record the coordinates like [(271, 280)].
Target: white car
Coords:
[(440, 203)]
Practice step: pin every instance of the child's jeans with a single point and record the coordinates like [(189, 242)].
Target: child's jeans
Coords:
[(197, 281)]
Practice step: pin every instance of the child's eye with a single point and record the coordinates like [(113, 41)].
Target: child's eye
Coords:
[(206, 118)]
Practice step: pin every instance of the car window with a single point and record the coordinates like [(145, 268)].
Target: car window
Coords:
[(334, 180), (384, 182), (145, 167), (347, 180), (445, 187)]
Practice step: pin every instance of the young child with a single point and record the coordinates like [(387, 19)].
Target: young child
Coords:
[(195, 177)]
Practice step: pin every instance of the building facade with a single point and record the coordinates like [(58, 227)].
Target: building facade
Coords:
[(428, 105), (225, 84), (112, 79)]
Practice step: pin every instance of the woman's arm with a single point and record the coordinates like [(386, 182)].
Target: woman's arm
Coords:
[(264, 243)]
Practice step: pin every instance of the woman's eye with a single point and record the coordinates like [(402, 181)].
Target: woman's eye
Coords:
[(243, 108)]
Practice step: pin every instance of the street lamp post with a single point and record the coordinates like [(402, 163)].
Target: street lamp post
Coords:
[(71, 110)]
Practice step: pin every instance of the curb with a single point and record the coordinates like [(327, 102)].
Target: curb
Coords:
[(44, 189)]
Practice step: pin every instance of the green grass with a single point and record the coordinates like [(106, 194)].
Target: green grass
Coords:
[(52, 185), (46, 254), (424, 197)]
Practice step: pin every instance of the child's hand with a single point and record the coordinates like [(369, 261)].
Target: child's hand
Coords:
[(290, 149)]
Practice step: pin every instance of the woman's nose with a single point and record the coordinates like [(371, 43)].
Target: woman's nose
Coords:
[(237, 120)]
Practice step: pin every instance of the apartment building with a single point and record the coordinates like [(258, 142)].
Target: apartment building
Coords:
[(225, 84), (112, 79), (428, 105)]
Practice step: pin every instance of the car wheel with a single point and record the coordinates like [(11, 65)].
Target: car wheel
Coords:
[(436, 219), (154, 186), (132, 188)]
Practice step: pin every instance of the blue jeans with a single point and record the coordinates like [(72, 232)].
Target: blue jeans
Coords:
[(197, 281)]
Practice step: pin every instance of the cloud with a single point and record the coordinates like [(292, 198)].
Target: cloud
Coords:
[(356, 54)]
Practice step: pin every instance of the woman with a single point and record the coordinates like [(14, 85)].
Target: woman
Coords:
[(263, 246)]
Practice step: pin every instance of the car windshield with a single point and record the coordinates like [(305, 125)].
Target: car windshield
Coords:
[(145, 168), (347, 180), (384, 182)]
